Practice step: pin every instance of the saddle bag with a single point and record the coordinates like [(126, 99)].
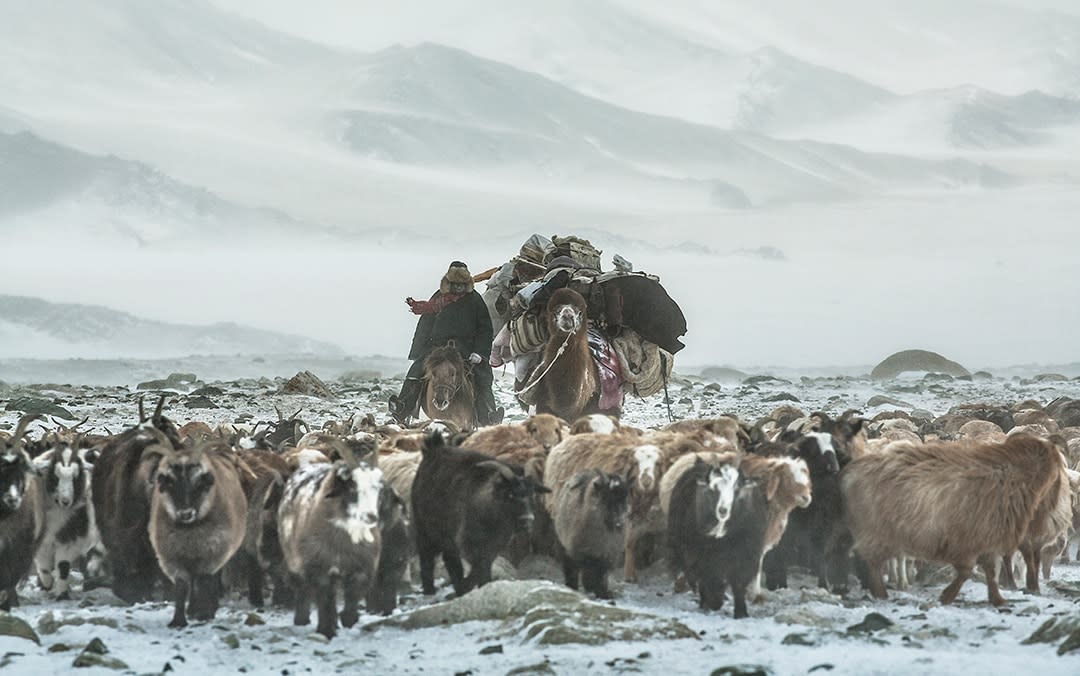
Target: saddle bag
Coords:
[(645, 366)]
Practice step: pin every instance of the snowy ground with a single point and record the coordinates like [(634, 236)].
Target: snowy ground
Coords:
[(969, 637)]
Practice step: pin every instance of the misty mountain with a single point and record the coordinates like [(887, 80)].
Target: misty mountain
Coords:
[(48, 188), (35, 328), (432, 105)]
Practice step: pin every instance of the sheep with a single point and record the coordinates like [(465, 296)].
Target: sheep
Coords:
[(711, 547), (786, 482), (540, 431), (122, 486), (198, 518), (22, 513), (596, 423), (961, 503), (399, 471), (465, 505), (70, 527), (980, 430), (589, 518), (328, 525)]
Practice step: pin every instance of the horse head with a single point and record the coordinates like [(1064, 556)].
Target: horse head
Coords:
[(446, 370)]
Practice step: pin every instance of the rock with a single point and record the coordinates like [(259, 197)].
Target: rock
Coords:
[(1070, 589), (97, 647), (50, 622), (359, 376), (882, 400), (199, 402), (37, 406), (916, 360), (16, 627), (921, 415), (981, 430), (94, 655), (940, 378), (181, 382), (982, 376), (254, 620), (782, 396), (1070, 644), (1054, 629), (208, 391), (798, 639), (543, 612), (540, 669), (496, 649), (801, 616), (742, 670), (1051, 378), (723, 374), (871, 623), (759, 380), (59, 648), (231, 640), (308, 384)]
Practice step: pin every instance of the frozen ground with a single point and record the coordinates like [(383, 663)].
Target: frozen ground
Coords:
[(793, 631)]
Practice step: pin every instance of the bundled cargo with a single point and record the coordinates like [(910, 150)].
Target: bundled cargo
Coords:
[(633, 324)]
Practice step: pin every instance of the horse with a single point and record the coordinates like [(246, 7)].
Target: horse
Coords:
[(448, 390), (567, 382)]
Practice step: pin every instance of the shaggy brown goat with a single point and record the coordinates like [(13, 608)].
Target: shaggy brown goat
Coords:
[(541, 431), (961, 503), (197, 522)]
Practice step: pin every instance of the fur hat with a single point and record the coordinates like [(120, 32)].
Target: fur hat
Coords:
[(458, 273)]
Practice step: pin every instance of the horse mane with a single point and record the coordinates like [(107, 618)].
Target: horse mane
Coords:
[(443, 355)]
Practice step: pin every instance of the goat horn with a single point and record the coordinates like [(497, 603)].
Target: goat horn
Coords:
[(498, 467), (280, 415), (142, 411), (160, 407), (298, 411), (24, 422), (343, 450)]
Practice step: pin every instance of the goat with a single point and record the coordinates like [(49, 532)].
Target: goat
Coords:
[(590, 512), (263, 476), (541, 432), (70, 527), (786, 483), (720, 432), (22, 513), (198, 518), (961, 503), (395, 552), (328, 524), (465, 505), (121, 487), (596, 423), (707, 550)]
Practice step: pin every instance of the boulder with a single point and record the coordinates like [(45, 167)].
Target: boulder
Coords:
[(181, 382), (16, 627), (308, 384), (882, 400), (37, 406), (543, 613), (1036, 417), (916, 360), (722, 374)]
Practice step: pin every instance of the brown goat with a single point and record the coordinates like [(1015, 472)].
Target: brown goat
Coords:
[(961, 503), (786, 482), (714, 432), (541, 431)]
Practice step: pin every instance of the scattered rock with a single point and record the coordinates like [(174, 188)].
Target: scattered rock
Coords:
[(359, 376), (801, 616), (496, 649), (798, 639), (59, 648), (1070, 644), (871, 623), (916, 360), (94, 655), (181, 382), (16, 627), (723, 374), (782, 396), (759, 380), (940, 378), (1054, 629), (231, 640), (308, 384), (982, 376), (821, 667), (50, 622), (1051, 378), (254, 620), (199, 402), (882, 400), (540, 669), (208, 391), (543, 612), (36, 406), (742, 670)]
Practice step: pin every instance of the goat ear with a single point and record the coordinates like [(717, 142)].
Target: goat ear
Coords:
[(274, 495), (789, 436), (772, 484)]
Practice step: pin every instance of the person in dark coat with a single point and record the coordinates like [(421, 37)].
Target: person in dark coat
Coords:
[(455, 312)]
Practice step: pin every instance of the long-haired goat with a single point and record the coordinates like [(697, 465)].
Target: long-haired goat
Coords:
[(786, 483), (198, 518), (590, 512), (328, 524), (960, 503), (22, 513)]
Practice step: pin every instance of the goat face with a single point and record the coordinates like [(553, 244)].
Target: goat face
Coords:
[(508, 493), (611, 492), (65, 476), (545, 429), (800, 476), (15, 468), (721, 485), (646, 458), (358, 490), (817, 449), (185, 484)]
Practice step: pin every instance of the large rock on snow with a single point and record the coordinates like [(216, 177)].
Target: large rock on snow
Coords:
[(17, 627), (916, 360), (36, 406), (307, 383), (543, 612)]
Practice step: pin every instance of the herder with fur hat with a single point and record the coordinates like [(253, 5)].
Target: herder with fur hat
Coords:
[(455, 312)]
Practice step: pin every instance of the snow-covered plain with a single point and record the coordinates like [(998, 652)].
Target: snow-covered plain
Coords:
[(793, 631)]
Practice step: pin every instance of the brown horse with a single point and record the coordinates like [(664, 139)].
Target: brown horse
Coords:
[(567, 383), (448, 394)]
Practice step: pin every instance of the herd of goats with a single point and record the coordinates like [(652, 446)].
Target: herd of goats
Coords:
[(349, 507)]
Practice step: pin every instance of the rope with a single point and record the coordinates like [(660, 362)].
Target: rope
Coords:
[(534, 383), (667, 397)]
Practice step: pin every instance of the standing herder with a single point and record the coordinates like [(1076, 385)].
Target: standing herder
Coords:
[(455, 312)]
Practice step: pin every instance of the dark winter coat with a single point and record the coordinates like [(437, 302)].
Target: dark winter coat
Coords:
[(467, 322)]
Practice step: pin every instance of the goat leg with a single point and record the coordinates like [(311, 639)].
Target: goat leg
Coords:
[(989, 565), (1031, 562), (427, 568), (594, 579), (349, 613), (326, 599), (63, 588), (181, 587), (302, 609), (457, 573), (963, 572), (629, 564), (570, 571), (1008, 580)]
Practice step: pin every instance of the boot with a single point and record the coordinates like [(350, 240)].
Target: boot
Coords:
[(403, 405)]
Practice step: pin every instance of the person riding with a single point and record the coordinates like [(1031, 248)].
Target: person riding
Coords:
[(455, 312)]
